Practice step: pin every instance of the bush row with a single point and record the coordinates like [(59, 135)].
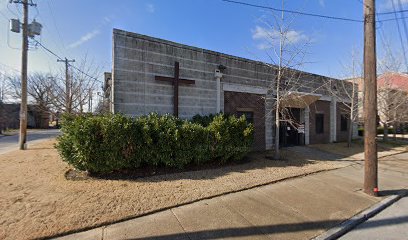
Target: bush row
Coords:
[(106, 143)]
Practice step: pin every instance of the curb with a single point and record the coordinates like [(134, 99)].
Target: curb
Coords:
[(348, 225)]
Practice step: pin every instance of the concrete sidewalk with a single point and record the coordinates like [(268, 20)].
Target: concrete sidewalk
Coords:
[(300, 208)]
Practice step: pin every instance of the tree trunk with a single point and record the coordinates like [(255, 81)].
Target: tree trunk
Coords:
[(385, 134), (350, 133), (395, 131), (276, 155)]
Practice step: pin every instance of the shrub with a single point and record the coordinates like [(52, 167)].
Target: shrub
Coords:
[(203, 120), (106, 143)]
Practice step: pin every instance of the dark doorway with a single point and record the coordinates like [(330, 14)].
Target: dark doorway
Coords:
[(292, 130)]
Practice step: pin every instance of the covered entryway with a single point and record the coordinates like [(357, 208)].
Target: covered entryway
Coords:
[(292, 128), (294, 124)]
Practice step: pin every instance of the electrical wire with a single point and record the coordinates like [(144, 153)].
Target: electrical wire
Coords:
[(295, 12), (320, 15), (55, 25), (71, 65), (404, 24), (400, 35)]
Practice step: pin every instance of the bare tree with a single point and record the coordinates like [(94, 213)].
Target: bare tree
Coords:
[(39, 89), (391, 104), (391, 98), (286, 51), (346, 92), (83, 82)]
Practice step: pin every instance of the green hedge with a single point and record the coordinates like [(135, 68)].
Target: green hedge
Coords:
[(106, 143)]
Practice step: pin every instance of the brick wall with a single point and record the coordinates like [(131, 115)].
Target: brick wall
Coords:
[(10, 117), (320, 107), (235, 102)]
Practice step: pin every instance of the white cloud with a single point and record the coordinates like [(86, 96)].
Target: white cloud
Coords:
[(150, 8), (272, 36), (85, 38), (322, 3), (92, 34)]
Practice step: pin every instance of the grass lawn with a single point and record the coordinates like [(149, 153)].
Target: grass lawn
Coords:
[(36, 200)]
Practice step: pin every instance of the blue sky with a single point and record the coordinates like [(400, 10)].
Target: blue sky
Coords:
[(78, 28)]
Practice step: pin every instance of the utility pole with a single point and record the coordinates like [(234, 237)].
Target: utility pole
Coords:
[(68, 103), (29, 30), (24, 59), (370, 101)]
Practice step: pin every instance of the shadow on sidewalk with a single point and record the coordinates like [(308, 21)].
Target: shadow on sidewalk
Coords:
[(390, 192), (270, 229)]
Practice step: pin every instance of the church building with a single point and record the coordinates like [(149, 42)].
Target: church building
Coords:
[(156, 75)]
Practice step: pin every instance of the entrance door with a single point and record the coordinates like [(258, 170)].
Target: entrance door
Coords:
[(290, 129)]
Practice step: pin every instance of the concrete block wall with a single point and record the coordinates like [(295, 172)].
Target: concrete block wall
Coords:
[(138, 59)]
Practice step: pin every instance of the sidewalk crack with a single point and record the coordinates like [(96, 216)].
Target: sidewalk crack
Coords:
[(181, 225)]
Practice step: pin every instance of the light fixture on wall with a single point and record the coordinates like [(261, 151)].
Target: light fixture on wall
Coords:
[(221, 68)]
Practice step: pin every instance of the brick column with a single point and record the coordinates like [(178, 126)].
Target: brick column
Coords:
[(333, 120), (269, 121), (307, 125)]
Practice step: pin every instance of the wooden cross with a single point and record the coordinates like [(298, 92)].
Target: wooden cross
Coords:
[(175, 81)]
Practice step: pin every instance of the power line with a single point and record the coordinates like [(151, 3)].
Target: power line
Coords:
[(400, 35), (392, 12), (55, 24), (319, 15), (295, 12), (62, 59), (404, 25), (48, 50)]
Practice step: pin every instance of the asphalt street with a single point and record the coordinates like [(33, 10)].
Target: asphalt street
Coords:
[(391, 223), (10, 143)]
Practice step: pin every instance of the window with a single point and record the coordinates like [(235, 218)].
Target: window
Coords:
[(343, 122), (319, 123), (249, 116)]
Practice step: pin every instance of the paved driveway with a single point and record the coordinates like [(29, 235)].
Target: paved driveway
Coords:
[(10, 143)]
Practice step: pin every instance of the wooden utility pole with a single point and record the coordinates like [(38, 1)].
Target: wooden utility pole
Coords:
[(68, 102), (370, 101), (24, 58)]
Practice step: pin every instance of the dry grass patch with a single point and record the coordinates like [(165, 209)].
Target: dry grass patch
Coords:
[(37, 201)]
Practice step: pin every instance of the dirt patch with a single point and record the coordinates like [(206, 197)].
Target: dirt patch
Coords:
[(36, 199)]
